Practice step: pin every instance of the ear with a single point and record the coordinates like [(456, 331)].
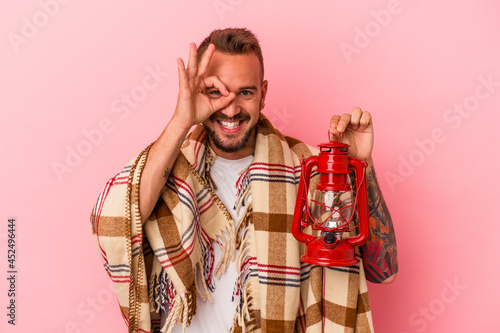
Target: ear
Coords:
[(263, 89)]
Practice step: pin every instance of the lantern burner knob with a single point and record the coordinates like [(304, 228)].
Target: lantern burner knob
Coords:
[(330, 238)]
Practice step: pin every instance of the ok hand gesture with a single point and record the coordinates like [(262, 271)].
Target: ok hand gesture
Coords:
[(193, 105)]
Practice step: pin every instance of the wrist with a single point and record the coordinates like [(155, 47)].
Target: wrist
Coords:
[(172, 137), (178, 127)]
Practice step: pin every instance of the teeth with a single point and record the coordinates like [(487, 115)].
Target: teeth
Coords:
[(229, 124)]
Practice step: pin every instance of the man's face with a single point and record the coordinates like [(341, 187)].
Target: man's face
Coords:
[(232, 130)]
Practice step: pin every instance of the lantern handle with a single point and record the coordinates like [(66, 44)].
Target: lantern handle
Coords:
[(330, 137)]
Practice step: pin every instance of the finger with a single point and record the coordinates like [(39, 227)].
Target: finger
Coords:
[(205, 60), (183, 77), (366, 120), (355, 117), (223, 102), (192, 62), (215, 82), (334, 121), (344, 121)]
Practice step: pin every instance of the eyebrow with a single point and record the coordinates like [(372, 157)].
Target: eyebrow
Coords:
[(248, 88), (241, 88)]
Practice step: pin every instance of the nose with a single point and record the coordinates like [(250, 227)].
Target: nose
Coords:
[(232, 109)]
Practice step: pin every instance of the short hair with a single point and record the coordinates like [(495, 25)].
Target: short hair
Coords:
[(233, 41)]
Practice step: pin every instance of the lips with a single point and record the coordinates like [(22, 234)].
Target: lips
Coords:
[(229, 124)]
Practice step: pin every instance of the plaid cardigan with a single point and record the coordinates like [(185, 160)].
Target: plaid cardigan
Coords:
[(155, 267)]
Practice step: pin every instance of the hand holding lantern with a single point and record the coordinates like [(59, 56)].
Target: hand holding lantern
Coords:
[(332, 207)]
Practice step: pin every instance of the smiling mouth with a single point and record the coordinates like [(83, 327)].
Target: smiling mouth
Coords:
[(229, 124)]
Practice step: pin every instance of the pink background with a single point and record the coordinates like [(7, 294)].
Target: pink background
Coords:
[(65, 67)]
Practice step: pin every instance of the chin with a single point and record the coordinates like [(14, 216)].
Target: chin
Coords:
[(229, 145)]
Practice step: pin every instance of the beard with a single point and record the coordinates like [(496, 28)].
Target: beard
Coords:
[(230, 147)]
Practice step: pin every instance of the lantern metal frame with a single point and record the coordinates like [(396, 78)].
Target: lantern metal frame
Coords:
[(334, 166)]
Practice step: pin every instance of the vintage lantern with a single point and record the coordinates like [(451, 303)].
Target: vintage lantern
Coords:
[(332, 207)]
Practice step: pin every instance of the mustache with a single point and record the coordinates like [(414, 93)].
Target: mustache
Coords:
[(221, 116)]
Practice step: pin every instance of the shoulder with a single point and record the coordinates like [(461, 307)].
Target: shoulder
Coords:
[(301, 148)]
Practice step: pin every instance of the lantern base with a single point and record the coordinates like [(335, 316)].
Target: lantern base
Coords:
[(320, 253)]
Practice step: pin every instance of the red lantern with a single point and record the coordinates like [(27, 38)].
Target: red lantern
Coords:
[(332, 207)]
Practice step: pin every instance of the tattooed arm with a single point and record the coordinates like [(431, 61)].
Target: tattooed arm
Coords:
[(379, 254)]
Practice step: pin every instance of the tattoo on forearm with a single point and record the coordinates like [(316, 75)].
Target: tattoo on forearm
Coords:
[(166, 174), (380, 252)]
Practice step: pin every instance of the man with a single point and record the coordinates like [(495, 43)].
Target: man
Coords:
[(219, 203)]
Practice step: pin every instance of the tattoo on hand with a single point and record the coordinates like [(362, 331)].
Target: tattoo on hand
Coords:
[(380, 252)]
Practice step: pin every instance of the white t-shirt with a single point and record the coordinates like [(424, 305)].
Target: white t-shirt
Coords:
[(217, 317)]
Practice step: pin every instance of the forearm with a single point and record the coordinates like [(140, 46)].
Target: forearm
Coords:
[(380, 252), (161, 158)]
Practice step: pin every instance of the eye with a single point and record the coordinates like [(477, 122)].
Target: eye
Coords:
[(247, 94), (214, 93)]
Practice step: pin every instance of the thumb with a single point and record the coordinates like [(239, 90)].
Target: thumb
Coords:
[(223, 101)]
